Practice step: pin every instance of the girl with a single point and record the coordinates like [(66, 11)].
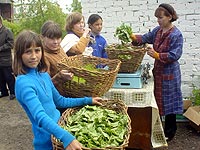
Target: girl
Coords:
[(95, 24), (51, 37), (38, 96), (77, 38), (167, 47)]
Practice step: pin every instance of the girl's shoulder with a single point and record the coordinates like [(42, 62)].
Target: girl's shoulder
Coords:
[(100, 37), (70, 35)]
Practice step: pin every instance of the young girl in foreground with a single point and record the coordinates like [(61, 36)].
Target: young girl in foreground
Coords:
[(38, 96)]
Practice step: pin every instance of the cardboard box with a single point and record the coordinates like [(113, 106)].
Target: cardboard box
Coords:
[(186, 104), (193, 114)]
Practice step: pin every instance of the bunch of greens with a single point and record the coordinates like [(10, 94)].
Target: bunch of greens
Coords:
[(123, 33), (96, 127), (195, 97)]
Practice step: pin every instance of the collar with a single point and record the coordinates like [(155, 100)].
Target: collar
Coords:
[(46, 49)]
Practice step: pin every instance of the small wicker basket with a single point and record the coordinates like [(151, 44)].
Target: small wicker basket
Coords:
[(89, 82), (116, 105), (131, 57)]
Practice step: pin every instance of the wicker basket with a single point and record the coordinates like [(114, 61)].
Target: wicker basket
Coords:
[(116, 105), (131, 57), (89, 82)]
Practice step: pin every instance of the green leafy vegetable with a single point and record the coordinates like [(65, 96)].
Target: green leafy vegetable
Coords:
[(97, 127), (123, 33)]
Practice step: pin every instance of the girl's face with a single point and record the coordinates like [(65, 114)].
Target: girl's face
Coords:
[(164, 21), (32, 56), (96, 27), (52, 44), (79, 26)]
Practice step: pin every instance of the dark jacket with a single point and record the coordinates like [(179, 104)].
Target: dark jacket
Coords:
[(6, 45)]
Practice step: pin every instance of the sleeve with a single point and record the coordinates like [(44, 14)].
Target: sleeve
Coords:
[(80, 46), (145, 38), (9, 41), (67, 102), (68, 41), (104, 53), (74, 44), (175, 50)]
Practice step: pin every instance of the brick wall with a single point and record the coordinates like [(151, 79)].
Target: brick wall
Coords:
[(140, 15)]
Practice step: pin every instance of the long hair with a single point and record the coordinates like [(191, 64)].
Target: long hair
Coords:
[(25, 40)]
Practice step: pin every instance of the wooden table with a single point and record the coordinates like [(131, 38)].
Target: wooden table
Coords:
[(140, 137)]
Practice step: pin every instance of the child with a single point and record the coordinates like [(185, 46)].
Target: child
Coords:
[(51, 37), (77, 38), (38, 96), (95, 24)]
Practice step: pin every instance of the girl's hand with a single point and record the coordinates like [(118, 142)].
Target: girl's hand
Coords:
[(74, 145), (97, 100), (65, 75)]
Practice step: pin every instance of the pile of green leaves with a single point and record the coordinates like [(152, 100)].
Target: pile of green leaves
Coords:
[(96, 127), (123, 33)]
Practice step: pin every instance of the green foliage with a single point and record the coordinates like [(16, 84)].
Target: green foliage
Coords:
[(15, 28), (195, 97), (33, 14), (94, 127), (76, 6), (123, 33)]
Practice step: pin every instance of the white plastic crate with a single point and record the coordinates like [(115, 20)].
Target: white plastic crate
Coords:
[(158, 138), (132, 97)]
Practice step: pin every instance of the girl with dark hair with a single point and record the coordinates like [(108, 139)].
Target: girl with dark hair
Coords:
[(38, 96), (167, 42), (95, 24)]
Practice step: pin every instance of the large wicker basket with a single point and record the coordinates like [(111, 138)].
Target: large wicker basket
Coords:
[(131, 57), (89, 82), (116, 105)]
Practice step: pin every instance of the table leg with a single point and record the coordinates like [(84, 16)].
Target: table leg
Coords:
[(140, 137)]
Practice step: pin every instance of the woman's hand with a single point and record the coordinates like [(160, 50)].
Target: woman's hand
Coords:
[(151, 52), (133, 37), (97, 100), (74, 145)]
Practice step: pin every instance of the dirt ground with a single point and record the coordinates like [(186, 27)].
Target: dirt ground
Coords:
[(16, 134)]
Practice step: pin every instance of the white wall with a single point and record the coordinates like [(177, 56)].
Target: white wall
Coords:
[(140, 15)]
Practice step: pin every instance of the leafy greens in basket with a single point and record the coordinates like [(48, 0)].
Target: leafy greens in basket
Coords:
[(96, 127), (123, 33)]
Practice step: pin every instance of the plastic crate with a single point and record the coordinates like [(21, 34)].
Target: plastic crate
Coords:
[(158, 134), (136, 97)]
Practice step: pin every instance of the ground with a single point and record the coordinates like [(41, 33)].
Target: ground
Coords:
[(16, 134)]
